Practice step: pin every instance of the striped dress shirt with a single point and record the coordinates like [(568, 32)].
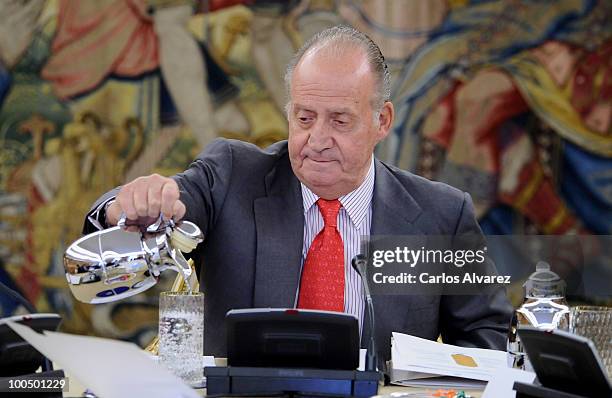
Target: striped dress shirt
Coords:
[(354, 220)]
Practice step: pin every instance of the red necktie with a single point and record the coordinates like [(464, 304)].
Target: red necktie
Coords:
[(322, 283)]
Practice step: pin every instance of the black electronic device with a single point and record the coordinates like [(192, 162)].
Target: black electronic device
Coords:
[(292, 352), (245, 381), (17, 356), (292, 338), (564, 362), (524, 390)]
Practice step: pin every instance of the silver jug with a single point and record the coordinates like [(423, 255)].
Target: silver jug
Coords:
[(544, 307), (112, 264)]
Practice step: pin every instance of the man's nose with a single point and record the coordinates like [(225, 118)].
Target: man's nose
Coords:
[(320, 138)]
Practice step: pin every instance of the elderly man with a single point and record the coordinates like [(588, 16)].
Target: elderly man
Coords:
[(282, 224)]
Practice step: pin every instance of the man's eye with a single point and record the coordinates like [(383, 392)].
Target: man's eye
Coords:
[(304, 119), (341, 123)]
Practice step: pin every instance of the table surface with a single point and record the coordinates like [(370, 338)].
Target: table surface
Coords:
[(391, 389), (76, 389)]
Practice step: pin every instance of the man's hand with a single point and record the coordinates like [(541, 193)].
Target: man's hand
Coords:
[(144, 199)]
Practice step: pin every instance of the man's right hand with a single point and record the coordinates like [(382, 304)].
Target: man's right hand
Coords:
[(143, 199)]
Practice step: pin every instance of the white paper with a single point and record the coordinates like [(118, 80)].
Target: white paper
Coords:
[(443, 382), (414, 358), (109, 368), (501, 384)]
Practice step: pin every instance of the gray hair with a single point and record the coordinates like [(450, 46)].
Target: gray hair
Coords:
[(339, 38)]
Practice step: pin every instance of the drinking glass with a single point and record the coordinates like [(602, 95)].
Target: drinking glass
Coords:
[(595, 323), (181, 334)]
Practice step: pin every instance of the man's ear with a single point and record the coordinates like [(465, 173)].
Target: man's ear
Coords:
[(385, 120)]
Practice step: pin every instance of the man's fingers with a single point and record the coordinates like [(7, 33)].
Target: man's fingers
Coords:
[(126, 201), (113, 212), (179, 210), (146, 197), (169, 197), (141, 198), (154, 199)]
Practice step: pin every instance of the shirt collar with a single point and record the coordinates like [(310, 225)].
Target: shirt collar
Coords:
[(356, 203)]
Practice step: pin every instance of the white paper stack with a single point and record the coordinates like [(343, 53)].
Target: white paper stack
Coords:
[(420, 362), (110, 368)]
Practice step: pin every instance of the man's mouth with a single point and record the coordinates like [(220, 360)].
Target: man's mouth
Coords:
[(319, 160)]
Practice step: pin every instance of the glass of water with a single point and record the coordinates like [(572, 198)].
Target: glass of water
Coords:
[(595, 323), (181, 335)]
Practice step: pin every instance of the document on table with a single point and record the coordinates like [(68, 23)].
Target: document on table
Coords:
[(501, 386), (109, 368), (420, 362)]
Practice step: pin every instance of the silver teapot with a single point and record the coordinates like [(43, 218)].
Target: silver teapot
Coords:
[(112, 264)]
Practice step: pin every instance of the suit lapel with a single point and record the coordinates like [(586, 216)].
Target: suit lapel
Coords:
[(394, 212), (279, 221), (393, 209)]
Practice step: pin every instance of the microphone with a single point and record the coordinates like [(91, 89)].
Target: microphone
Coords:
[(359, 264)]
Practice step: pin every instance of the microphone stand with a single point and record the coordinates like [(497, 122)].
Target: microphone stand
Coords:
[(359, 264)]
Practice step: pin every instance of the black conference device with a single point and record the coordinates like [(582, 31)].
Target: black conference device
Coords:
[(567, 365), (293, 352), (17, 356), (293, 338)]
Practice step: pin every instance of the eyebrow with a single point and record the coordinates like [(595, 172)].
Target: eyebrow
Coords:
[(298, 107), (342, 111), (335, 111)]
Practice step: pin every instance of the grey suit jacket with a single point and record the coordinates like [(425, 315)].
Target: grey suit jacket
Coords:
[(248, 203)]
